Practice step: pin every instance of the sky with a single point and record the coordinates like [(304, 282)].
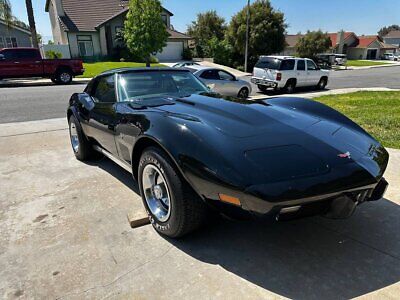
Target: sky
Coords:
[(359, 16)]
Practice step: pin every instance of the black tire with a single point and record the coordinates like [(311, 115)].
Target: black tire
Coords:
[(187, 211), (63, 76), (243, 93), (54, 79), (322, 83), (85, 149), (262, 88), (290, 86)]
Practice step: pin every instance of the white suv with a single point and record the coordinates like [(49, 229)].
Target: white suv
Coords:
[(288, 72)]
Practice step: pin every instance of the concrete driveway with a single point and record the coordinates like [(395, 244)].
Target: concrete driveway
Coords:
[(64, 234)]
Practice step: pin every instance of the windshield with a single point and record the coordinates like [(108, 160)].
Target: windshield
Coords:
[(141, 85)]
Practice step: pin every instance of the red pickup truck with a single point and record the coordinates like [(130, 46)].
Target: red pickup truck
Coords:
[(28, 62)]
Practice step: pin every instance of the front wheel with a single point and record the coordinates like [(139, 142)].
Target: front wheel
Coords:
[(174, 209), (80, 144), (243, 93), (322, 84)]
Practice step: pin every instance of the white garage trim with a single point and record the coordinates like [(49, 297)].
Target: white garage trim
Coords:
[(173, 52)]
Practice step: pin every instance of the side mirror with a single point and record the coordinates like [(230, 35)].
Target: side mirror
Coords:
[(86, 100), (211, 86), (2, 57), (234, 79)]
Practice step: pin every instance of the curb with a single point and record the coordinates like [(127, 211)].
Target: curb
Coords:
[(38, 82), (326, 93)]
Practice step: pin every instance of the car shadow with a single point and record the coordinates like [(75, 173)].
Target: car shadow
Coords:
[(117, 172), (312, 258), (299, 91)]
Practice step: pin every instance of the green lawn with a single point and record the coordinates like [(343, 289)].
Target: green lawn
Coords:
[(93, 69), (364, 63), (377, 112)]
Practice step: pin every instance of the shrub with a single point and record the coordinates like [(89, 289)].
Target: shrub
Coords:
[(187, 54), (53, 54)]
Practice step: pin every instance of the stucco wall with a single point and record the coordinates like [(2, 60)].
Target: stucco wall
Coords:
[(73, 43), (357, 53), (392, 41), (23, 38), (59, 36)]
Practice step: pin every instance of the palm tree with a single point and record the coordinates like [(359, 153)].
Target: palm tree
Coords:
[(5, 11), (32, 25)]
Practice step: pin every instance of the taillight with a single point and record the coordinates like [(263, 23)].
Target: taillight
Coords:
[(278, 76)]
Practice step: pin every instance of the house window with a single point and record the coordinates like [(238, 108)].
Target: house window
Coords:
[(85, 45), (11, 42), (165, 19), (2, 45)]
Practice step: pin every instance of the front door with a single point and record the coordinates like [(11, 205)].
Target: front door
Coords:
[(102, 117)]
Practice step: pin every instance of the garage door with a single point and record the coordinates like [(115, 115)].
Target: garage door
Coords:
[(173, 51)]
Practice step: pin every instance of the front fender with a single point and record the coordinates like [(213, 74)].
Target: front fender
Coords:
[(194, 147)]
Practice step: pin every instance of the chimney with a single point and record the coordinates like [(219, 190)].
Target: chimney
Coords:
[(340, 41)]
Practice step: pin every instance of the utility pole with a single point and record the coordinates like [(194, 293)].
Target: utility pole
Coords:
[(247, 36), (32, 24)]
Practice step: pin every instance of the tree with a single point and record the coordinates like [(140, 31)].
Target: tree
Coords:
[(32, 24), (312, 43), (145, 32), (207, 26), (5, 11), (220, 50), (385, 30), (266, 35)]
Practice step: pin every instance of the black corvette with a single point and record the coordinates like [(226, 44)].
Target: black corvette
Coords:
[(192, 150)]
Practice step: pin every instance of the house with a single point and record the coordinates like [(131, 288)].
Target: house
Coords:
[(354, 46), (90, 28), (12, 36), (393, 38)]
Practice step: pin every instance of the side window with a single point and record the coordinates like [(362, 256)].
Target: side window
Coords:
[(9, 55), (287, 65), (301, 65), (225, 76), (311, 65), (105, 90), (210, 74), (2, 42), (27, 54)]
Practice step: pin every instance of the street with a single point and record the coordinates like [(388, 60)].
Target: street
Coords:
[(45, 102)]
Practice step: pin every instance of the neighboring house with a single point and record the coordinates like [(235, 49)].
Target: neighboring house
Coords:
[(355, 47), (90, 27), (393, 38), (12, 36)]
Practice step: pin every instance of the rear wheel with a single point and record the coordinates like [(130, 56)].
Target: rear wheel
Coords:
[(80, 144), (63, 76), (290, 86), (243, 93), (322, 84), (174, 209)]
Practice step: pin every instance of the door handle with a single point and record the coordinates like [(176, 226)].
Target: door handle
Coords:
[(37, 62), (16, 62), (111, 127)]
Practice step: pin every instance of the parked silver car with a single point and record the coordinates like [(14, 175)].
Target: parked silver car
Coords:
[(222, 82)]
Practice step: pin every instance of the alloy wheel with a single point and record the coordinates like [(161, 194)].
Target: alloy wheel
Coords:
[(74, 136), (156, 192)]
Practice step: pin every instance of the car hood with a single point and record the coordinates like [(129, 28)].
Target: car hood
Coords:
[(240, 118), (263, 124)]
